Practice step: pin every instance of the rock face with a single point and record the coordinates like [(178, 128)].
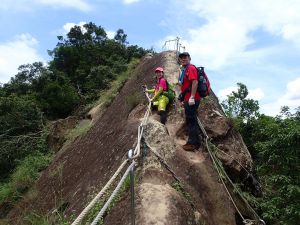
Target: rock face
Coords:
[(232, 150), (58, 131), (196, 195), (188, 192)]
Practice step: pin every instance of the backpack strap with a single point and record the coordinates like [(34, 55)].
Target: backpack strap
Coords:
[(181, 77)]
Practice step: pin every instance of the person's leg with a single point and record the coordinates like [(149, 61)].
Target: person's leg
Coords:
[(163, 116), (192, 123), (162, 106)]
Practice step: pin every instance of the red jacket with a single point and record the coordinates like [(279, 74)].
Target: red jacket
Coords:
[(190, 75)]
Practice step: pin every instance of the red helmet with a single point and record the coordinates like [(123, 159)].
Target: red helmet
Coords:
[(160, 69)]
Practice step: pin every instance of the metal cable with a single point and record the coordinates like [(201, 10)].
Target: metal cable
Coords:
[(217, 167), (221, 178), (162, 161), (219, 150)]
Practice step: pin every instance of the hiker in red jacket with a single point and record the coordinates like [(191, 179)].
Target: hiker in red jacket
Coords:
[(191, 100)]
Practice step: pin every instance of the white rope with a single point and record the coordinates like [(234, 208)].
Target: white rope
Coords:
[(115, 192), (137, 152), (98, 196)]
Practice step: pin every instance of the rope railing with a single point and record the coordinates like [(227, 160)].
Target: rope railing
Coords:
[(99, 195), (132, 156), (218, 166), (113, 195)]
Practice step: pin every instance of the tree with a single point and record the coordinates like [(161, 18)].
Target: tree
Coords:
[(238, 106), (19, 115), (58, 100), (21, 120), (121, 37), (277, 146), (23, 81)]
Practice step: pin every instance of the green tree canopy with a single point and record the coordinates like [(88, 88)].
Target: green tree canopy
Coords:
[(237, 105), (274, 144)]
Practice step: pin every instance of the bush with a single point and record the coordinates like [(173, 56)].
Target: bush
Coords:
[(58, 100), (134, 99), (23, 177), (19, 115)]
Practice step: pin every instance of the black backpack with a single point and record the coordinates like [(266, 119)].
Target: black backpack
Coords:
[(203, 83)]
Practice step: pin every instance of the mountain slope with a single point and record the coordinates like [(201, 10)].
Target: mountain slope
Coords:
[(81, 170)]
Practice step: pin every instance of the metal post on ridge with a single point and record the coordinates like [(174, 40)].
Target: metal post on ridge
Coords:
[(177, 45), (131, 174)]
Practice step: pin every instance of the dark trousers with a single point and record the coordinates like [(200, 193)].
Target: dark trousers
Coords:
[(163, 116), (192, 123)]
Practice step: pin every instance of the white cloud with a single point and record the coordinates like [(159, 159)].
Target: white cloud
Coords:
[(226, 32), (110, 34), (67, 27), (256, 94), (217, 42), (77, 4), (130, 1), (290, 98), (13, 53), (28, 5), (222, 94)]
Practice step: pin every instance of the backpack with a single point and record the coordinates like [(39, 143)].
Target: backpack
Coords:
[(170, 93), (203, 83)]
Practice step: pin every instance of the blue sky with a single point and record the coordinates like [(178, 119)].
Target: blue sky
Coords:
[(252, 41)]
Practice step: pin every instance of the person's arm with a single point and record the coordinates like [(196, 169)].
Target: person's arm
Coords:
[(194, 87), (160, 90), (150, 90), (193, 76)]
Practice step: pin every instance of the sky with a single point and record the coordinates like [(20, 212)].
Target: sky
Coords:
[(255, 42)]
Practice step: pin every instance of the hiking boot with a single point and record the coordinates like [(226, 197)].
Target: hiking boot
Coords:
[(190, 147)]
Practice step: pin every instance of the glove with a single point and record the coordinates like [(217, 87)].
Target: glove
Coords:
[(192, 100)]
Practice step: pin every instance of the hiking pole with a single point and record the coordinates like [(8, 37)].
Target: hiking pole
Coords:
[(130, 155)]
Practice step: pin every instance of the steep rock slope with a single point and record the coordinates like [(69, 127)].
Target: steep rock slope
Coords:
[(79, 171), (199, 197)]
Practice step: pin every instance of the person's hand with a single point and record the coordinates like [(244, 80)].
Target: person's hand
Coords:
[(192, 100), (145, 88)]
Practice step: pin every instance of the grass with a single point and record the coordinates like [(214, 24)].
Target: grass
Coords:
[(107, 96), (35, 219), (26, 173), (134, 99), (23, 177), (205, 100), (180, 188), (80, 130), (96, 209)]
